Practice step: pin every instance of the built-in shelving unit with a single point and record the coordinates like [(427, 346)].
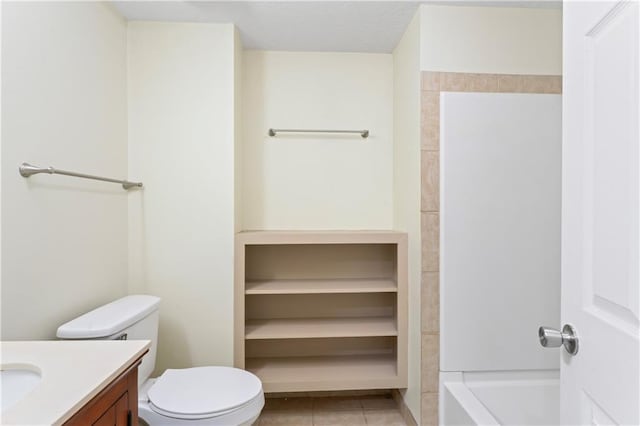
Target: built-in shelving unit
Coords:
[(321, 311)]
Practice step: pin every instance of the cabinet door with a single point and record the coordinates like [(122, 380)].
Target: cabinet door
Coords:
[(123, 414), (117, 414), (108, 418)]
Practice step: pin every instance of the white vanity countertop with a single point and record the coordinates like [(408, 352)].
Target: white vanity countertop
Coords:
[(72, 373)]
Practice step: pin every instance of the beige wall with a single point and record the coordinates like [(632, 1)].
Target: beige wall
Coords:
[(181, 141), (199, 187), (317, 181), (237, 110), (0, 174), (406, 185), (491, 40), (64, 240)]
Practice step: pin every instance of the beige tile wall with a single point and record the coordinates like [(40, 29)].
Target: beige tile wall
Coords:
[(432, 84)]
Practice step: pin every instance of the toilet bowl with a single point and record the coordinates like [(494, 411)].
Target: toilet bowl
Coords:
[(203, 396), (199, 396)]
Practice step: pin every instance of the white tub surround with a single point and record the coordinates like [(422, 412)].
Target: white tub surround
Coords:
[(72, 374), (500, 398), (500, 229), (500, 241)]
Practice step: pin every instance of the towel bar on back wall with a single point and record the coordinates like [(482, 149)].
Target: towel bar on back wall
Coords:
[(27, 170), (363, 133)]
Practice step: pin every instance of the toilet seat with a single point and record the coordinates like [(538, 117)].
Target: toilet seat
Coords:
[(203, 392)]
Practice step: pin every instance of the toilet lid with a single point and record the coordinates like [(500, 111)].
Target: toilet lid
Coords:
[(202, 392)]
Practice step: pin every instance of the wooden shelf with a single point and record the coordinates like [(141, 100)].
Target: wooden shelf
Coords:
[(321, 286), (297, 328), (295, 374), (321, 237)]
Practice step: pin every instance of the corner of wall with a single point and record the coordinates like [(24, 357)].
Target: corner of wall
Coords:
[(406, 188), (182, 115), (237, 143), (1, 150)]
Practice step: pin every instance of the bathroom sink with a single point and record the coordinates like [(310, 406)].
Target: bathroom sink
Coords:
[(16, 383)]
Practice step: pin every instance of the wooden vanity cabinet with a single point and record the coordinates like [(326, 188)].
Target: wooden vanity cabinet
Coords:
[(115, 405)]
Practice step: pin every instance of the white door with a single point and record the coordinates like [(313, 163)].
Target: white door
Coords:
[(600, 211)]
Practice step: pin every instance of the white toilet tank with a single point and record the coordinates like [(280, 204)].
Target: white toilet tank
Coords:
[(133, 317)]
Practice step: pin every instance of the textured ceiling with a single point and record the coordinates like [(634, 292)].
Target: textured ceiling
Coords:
[(332, 26), (299, 26)]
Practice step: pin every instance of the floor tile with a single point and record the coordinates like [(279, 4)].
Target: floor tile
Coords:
[(339, 418), (337, 403), (286, 418), (295, 403), (375, 410), (382, 402), (389, 417)]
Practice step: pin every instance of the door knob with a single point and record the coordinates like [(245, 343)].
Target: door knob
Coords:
[(552, 338)]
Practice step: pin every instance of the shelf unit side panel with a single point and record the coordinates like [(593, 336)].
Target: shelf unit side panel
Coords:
[(402, 310)]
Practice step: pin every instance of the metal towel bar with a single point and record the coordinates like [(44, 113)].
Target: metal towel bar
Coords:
[(363, 133), (27, 170)]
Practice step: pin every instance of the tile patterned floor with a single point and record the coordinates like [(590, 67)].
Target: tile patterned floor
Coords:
[(331, 411)]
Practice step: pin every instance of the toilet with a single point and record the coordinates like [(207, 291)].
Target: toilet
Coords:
[(202, 396)]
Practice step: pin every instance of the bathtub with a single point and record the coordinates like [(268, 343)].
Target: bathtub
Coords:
[(523, 398)]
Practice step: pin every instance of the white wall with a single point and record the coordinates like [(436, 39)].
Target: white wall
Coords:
[(181, 142), (406, 186), (64, 240), (491, 40), (317, 181)]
